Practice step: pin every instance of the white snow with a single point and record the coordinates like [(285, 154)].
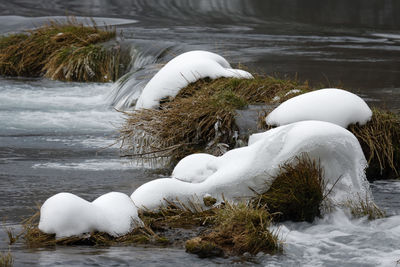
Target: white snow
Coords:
[(66, 214), (183, 70), (331, 105), (254, 166), (186, 171), (294, 91)]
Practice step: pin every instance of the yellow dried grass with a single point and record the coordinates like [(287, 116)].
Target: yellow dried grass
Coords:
[(66, 51), (380, 141)]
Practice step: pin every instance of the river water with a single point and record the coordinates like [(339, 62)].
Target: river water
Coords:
[(54, 136)]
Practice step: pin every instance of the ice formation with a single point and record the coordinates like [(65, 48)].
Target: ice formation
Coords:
[(234, 173), (331, 105), (183, 70), (66, 215)]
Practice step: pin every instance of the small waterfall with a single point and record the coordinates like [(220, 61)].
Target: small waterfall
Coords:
[(145, 62), (141, 146)]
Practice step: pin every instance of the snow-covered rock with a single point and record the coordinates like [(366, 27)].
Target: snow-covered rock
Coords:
[(183, 70), (234, 173), (66, 214), (331, 105), (193, 168)]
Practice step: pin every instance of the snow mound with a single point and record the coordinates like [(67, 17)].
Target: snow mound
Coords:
[(186, 171), (183, 70), (234, 173), (66, 214), (331, 105)]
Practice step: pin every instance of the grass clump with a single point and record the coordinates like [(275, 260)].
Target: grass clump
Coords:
[(297, 192), (178, 216), (67, 51), (238, 229), (201, 118), (209, 201), (364, 207), (203, 249), (380, 141), (6, 259)]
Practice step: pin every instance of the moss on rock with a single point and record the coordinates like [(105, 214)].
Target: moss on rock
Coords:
[(202, 248)]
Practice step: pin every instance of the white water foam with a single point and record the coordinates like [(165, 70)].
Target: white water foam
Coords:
[(337, 240), (53, 107), (96, 165)]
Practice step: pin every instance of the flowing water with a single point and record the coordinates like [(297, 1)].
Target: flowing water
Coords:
[(54, 136)]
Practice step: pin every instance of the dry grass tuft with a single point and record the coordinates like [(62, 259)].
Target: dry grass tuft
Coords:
[(296, 192), (178, 215), (380, 141), (6, 259), (67, 51), (364, 207), (238, 229), (203, 248), (201, 118)]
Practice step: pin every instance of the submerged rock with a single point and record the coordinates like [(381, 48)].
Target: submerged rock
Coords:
[(248, 119)]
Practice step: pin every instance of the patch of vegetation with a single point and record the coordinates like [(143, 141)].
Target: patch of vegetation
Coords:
[(34, 238), (178, 215), (364, 207), (380, 141), (238, 229), (201, 118), (227, 229), (67, 51), (209, 201), (157, 228), (297, 192), (203, 249), (6, 259)]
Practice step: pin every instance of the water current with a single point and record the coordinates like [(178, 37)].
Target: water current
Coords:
[(54, 136)]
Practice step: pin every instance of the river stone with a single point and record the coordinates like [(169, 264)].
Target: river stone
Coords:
[(247, 119)]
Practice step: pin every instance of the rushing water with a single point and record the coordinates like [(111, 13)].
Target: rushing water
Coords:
[(53, 135)]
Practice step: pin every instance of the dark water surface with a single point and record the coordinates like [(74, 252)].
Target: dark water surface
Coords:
[(52, 133)]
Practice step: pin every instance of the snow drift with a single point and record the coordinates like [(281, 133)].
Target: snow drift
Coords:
[(331, 105), (254, 166), (65, 215), (183, 70)]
